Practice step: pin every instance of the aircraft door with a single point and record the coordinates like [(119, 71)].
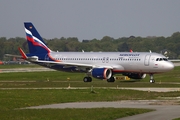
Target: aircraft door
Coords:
[(105, 60), (146, 60)]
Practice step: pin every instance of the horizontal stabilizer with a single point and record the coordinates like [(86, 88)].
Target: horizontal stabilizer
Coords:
[(10, 55)]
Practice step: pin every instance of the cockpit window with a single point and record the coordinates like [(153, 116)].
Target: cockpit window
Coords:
[(165, 59), (161, 59)]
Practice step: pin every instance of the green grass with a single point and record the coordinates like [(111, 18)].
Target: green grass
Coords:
[(172, 76), (70, 114), (177, 119), (80, 84), (12, 100), (63, 79)]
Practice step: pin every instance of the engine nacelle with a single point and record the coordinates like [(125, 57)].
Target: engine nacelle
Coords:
[(135, 75), (101, 73)]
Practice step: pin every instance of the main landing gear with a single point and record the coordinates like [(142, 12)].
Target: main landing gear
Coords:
[(151, 78), (111, 79), (87, 79)]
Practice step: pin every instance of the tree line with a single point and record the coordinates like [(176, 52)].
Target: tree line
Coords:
[(170, 46)]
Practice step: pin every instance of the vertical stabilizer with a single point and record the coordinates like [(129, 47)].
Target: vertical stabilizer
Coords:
[(35, 42)]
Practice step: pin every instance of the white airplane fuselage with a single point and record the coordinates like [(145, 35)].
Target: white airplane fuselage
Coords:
[(120, 62)]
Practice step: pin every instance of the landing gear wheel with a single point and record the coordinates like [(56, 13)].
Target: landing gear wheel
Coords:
[(87, 79), (152, 81), (151, 78), (111, 79)]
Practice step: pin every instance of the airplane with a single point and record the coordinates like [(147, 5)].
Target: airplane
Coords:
[(100, 65)]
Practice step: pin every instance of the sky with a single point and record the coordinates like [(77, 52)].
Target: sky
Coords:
[(89, 19)]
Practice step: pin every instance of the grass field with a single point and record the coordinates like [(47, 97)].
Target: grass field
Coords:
[(70, 114), (13, 99), (64, 79)]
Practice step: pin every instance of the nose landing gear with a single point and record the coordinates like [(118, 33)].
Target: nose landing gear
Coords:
[(151, 78)]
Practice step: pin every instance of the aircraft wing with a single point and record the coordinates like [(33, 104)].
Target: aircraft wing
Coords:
[(76, 64)]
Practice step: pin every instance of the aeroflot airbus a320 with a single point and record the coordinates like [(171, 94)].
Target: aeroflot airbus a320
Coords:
[(101, 65)]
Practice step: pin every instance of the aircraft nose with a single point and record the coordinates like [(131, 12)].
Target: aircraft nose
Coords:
[(170, 66)]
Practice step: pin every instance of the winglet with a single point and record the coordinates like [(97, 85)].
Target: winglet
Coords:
[(22, 53)]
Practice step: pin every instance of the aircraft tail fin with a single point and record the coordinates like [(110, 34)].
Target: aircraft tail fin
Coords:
[(35, 42)]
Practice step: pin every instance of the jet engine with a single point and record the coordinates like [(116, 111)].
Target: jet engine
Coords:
[(101, 73), (135, 75)]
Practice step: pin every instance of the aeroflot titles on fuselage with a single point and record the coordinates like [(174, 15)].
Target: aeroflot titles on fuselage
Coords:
[(129, 54)]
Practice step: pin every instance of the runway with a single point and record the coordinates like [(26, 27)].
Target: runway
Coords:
[(165, 109)]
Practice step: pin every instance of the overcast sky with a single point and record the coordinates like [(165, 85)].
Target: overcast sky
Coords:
[(89, 19)]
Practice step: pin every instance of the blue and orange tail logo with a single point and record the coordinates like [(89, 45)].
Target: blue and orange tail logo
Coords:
[(35, 42)]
